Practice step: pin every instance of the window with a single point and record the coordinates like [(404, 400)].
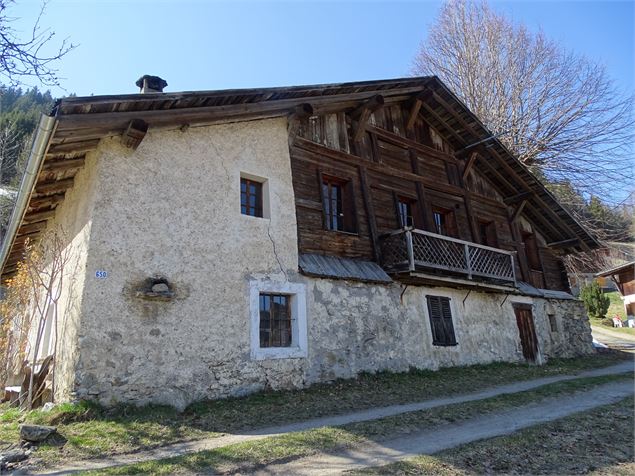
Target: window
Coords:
[(278, 320), (553, 323), (250, 197), (338, 205), (444, 222), (441, 324), (405, 211), (275, 320), (487, 232)]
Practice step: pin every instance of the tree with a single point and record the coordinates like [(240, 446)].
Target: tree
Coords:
[(595, 301), (27, 57), (556, 110), (29, 309)]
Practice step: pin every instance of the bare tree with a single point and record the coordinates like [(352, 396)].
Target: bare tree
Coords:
[(27, 56), (557, 111), (30, 314)]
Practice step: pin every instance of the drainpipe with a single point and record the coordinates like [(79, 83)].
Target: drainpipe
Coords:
[(36, 157)]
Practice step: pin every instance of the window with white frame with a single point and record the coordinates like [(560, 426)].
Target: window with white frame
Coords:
[(278, 320)]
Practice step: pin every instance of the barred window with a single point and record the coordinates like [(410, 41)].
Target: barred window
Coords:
[(441, 324), (275, 321)]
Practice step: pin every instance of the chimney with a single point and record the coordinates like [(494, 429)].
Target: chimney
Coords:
[(151, 84)]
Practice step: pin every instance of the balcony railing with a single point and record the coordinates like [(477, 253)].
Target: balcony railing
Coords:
[(418, 250)]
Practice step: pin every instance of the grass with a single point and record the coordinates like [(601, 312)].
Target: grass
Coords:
[(616, 308), (92, 431), (597, 442), (247, 456)]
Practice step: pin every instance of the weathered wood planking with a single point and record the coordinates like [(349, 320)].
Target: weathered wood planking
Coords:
[(397, 163)]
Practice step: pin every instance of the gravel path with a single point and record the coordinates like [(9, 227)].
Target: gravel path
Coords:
[(450, 436), (366, 415)]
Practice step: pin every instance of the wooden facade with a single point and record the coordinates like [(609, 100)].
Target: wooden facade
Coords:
[(399, 163)]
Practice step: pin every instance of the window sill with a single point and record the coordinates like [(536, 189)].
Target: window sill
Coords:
[(436, 344), (267, 353), (340, 232)]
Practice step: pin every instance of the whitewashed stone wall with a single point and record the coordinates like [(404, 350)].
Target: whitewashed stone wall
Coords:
[(171, 210), (73, 220)]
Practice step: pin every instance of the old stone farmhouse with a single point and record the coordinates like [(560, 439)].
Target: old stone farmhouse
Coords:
[(224, 242)]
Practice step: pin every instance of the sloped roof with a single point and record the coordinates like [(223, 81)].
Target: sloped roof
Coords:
[(81, 122), (617, 269)]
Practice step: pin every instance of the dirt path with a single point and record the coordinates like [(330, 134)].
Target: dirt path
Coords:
[(450, 436), (614, 339), (366, 415)]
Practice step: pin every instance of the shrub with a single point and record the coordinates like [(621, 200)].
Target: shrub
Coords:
[(595, 301)]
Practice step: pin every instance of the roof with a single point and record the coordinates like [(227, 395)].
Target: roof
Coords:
[(342, 268), (79, 123), (617, 269)]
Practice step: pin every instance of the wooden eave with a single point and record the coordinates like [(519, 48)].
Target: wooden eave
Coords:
[(83, 121)]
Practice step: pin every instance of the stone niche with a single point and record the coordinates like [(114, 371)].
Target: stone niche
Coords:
[(156, 288)]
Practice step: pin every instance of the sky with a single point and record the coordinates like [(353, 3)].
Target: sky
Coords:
[(206, 45)]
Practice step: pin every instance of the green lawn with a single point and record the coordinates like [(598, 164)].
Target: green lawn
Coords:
[(598, 442), (248, 456), (616, 308), (92, 431)]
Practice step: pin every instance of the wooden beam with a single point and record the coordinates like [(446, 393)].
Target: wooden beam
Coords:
[(370, 213), (39, 216), (564, 243), (518, 210), (519, 197), (406, 143), (42, 202), (415, 107), (422, 195), (468, 165), (57, 186), (64, 164), (134, 133), (454, 114), (26, 229), (300, 113), (363, 113), (451, 130), (73, 147), (190, 115), (543, 206), (313, 148)]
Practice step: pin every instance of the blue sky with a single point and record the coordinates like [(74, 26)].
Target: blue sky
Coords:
[(214, 45)]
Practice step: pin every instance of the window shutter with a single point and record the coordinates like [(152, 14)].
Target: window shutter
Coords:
[(441, 324), (448, 326)]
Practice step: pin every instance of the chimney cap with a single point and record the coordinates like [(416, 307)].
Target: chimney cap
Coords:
[(151, 82)]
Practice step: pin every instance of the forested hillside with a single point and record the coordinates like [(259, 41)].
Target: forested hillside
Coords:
[(19, 114)]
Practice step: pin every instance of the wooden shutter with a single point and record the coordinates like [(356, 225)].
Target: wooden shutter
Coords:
[(441, 320)]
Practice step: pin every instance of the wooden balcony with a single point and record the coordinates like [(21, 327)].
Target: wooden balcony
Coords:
[(419, 256)]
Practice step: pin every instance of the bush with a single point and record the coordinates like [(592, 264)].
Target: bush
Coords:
[(595, 301)]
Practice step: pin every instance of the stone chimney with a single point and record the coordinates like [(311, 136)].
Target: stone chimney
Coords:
[(151, 84)]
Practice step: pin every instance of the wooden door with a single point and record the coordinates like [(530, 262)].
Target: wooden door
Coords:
[(528, 340)]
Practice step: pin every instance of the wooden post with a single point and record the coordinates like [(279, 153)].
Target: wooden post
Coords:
[(370, 213)]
